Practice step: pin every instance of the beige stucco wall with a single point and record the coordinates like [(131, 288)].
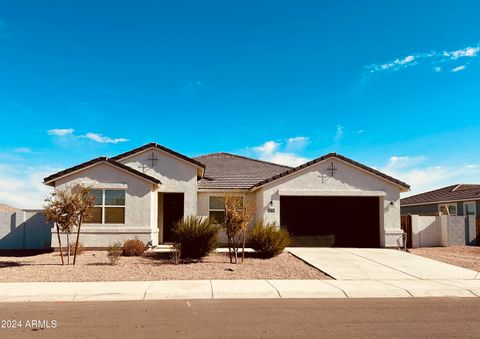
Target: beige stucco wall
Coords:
[(176, 175), (203, 206), (426, 231), (142, 218), (348, 180), (138, 214)]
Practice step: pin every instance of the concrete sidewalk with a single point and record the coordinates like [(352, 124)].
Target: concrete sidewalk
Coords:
[(235, 289)]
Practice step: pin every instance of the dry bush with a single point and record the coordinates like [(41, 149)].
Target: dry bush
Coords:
[(197, 236), (133, 248), (268, 239), (114, 251)]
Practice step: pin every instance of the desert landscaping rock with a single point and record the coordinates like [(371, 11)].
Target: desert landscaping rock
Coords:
[(94, 266), (463, 256)]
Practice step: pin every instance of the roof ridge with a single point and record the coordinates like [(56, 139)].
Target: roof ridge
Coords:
[(448, 193), (160, 147), (431, 191), (244, 157)]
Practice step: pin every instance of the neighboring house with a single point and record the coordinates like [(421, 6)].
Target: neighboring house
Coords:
[(443, 217), (143, 192), (454, 200)]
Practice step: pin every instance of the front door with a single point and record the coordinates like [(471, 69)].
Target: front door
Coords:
[(172, 213)]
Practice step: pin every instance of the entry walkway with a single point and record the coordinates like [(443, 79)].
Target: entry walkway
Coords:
[(379, 264)]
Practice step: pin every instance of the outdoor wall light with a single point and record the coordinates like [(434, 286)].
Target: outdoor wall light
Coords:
[(392, 203)]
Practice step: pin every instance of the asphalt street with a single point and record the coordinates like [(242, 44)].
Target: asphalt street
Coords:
[(287, 318)]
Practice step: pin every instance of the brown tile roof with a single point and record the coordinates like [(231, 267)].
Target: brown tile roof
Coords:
[(338, 156), (449, 193), (51, 178), (160, 147), (230, 171)]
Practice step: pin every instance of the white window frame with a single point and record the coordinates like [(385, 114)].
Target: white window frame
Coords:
[(215, 209), (221, 209), (103, 206), (448, 208)]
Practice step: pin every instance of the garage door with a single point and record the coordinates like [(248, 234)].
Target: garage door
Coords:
[(332, 221)]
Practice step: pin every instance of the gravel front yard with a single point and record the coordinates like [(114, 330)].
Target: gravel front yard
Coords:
[(94, 266), (463, 256)]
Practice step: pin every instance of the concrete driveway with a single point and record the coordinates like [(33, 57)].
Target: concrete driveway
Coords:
[(379, 264)]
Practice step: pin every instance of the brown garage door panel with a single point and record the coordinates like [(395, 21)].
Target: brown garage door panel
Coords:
[(351, 221)]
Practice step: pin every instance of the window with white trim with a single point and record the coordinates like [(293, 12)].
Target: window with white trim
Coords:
[(216, 208), (109, 207), (447, 209)]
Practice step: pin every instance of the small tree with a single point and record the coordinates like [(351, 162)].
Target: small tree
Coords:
[(84, 203), (239, 213), (67, 208)]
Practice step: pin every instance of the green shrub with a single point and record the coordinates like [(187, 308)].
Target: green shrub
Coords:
[(114, 251), (133, 248), (198, 236), (268, 239)]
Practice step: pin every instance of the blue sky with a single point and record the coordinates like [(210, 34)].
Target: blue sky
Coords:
[(392, 84)]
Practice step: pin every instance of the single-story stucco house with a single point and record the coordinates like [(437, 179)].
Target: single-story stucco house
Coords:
[(455, 200), (443, 217), (143, 192)]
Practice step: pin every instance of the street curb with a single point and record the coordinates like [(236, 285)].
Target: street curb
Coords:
[(234, 289)]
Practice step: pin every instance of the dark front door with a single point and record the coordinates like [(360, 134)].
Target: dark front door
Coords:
[(172, 213), (332, 221)]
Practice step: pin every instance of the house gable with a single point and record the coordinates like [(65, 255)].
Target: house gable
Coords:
[(318, 180), (337, 158), (170, 170), (52, 179), (127, 156)]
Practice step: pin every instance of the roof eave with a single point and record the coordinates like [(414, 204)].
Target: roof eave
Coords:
[(50, 180), (403, 186), (154, 145)]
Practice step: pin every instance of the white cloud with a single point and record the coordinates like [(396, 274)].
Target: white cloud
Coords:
[(270, 151), (433, 58), (288, 159), (422, 178), (23, 150), (398, 162), (102, 139), (458, 69), (393, 65), (297, 139), (61, 131), (90, 136), (296, 144), (468, 52), (268, 148), (339, 133), (22, 186)]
